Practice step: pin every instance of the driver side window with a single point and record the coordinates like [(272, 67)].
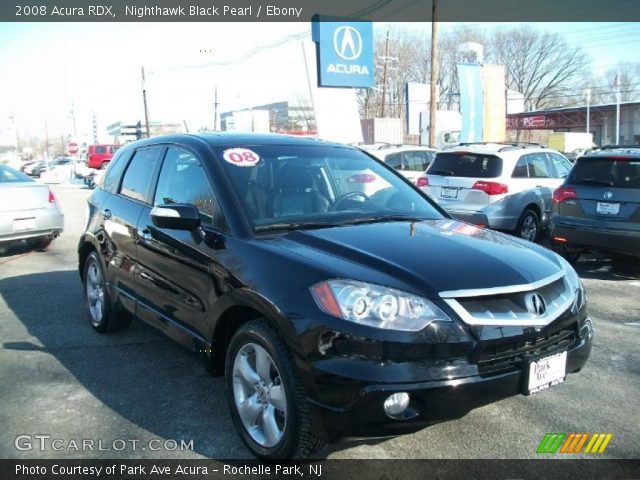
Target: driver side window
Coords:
[(183, 180)]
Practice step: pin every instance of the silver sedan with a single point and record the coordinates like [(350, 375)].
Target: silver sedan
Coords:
[(28, 210)]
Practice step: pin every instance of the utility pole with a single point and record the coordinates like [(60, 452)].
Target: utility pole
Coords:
[(587, 93), (73, 118), (384, 74), (46, 138), (215, 109), (146, 108), (617, 108), (433, 104)]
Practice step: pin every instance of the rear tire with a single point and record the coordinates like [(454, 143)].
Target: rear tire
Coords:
[(528, 225), (103, 315), (570, 255), (269, 408), (104, 165), (40, 243)]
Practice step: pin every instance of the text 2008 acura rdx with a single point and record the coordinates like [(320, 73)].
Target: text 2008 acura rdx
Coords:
[(334, 296)]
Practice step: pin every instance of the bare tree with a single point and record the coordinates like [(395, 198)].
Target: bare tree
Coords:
[(628, 77), (540, 65)]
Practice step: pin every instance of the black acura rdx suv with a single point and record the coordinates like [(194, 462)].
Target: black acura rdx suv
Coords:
[(333, 295)]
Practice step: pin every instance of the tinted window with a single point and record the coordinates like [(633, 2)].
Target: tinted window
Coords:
[(520, 170), (9, 175), (394, 160), (137, 179), (114, 171), (417, 161), (101, 150), (561, 165), (538, 166), (611, 172), (464, 164), (183, 180)]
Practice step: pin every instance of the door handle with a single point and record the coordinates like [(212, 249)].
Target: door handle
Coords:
[(106, 213), (145, 235)]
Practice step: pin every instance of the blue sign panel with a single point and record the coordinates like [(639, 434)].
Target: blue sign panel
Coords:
[(471, 102), (345, 53)]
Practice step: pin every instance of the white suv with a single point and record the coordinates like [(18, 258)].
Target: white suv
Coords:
[(500, 186), (410, 161)]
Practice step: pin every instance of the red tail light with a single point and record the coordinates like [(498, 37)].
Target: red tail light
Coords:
[(361, 178), (563, 193), (52, 197), (422, 182), (491, 188)]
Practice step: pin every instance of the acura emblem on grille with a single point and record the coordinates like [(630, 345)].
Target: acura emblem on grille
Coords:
[(608, 195), (535, 304)]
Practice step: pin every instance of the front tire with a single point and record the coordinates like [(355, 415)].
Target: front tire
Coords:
[(528, 225), (266, 397), (102, 313)]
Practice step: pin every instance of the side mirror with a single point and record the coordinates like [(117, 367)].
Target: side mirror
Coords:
[(176, 216)]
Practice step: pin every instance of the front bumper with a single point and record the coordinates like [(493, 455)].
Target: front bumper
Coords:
[(597, 239), (431, 402)]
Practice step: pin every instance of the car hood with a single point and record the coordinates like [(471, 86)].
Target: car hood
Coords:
[(426, 257)]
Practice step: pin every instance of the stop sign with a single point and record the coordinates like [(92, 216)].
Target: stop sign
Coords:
[(72, 148)]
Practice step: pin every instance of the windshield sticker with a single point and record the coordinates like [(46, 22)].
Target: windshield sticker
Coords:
[(241, 157)]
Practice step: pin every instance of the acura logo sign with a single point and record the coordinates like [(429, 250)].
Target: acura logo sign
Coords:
[(347, 43), (608, 195), (535, 304)]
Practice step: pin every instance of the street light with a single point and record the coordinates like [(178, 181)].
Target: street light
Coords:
[(587, 93)]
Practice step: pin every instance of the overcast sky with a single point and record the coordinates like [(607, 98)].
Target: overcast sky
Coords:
[(47, 67)]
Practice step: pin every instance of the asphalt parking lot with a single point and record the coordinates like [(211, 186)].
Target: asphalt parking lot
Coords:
[(60, 378)]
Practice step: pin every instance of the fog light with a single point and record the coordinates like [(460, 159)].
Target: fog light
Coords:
[(396, 404), (586, 329)]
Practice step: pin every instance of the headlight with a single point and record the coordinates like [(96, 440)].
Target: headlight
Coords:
[(376, 306), (575, 284)]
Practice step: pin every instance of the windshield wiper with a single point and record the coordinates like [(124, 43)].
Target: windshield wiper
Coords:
[(382, 218), (441, 172), (295, 226)]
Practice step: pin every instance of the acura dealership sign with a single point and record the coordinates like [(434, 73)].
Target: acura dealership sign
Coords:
[(345, 53)]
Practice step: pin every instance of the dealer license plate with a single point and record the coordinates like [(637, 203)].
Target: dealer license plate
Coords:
[(546, 372), (605, 208), (22, 224), (449, 192)]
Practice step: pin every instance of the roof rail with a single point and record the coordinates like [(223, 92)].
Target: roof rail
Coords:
[(616, 147)]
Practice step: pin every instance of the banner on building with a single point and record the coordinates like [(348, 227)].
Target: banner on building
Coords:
[(471, 102)]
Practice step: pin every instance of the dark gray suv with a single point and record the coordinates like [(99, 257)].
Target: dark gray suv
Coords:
[(598, 206)]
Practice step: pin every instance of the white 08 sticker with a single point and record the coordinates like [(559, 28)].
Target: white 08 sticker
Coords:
[(241, 157)]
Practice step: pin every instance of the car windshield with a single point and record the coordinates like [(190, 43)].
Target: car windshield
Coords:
[(465, 164), (618, 172), (291, 187), (9, 175)]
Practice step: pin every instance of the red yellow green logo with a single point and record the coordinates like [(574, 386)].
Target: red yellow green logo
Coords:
[(574, 443)]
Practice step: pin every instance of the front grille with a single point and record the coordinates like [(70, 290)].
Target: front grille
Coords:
[(510, 355)]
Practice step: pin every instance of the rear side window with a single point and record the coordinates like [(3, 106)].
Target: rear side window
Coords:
[(101, 149), (539, 165), (606, 171), (136, 183), (111, 178), (465, 164), (417, 161), (561, 165), (394, 160)]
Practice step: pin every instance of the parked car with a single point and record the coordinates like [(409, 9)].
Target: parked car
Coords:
[(598, 206), (28, 210), (33, 168), (58, 170), (411, 161), (500, 186), (99, 156), (329, 312)]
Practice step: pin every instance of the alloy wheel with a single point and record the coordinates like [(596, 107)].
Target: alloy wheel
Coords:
[(529, 228), (95, 293), (259, 395)]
